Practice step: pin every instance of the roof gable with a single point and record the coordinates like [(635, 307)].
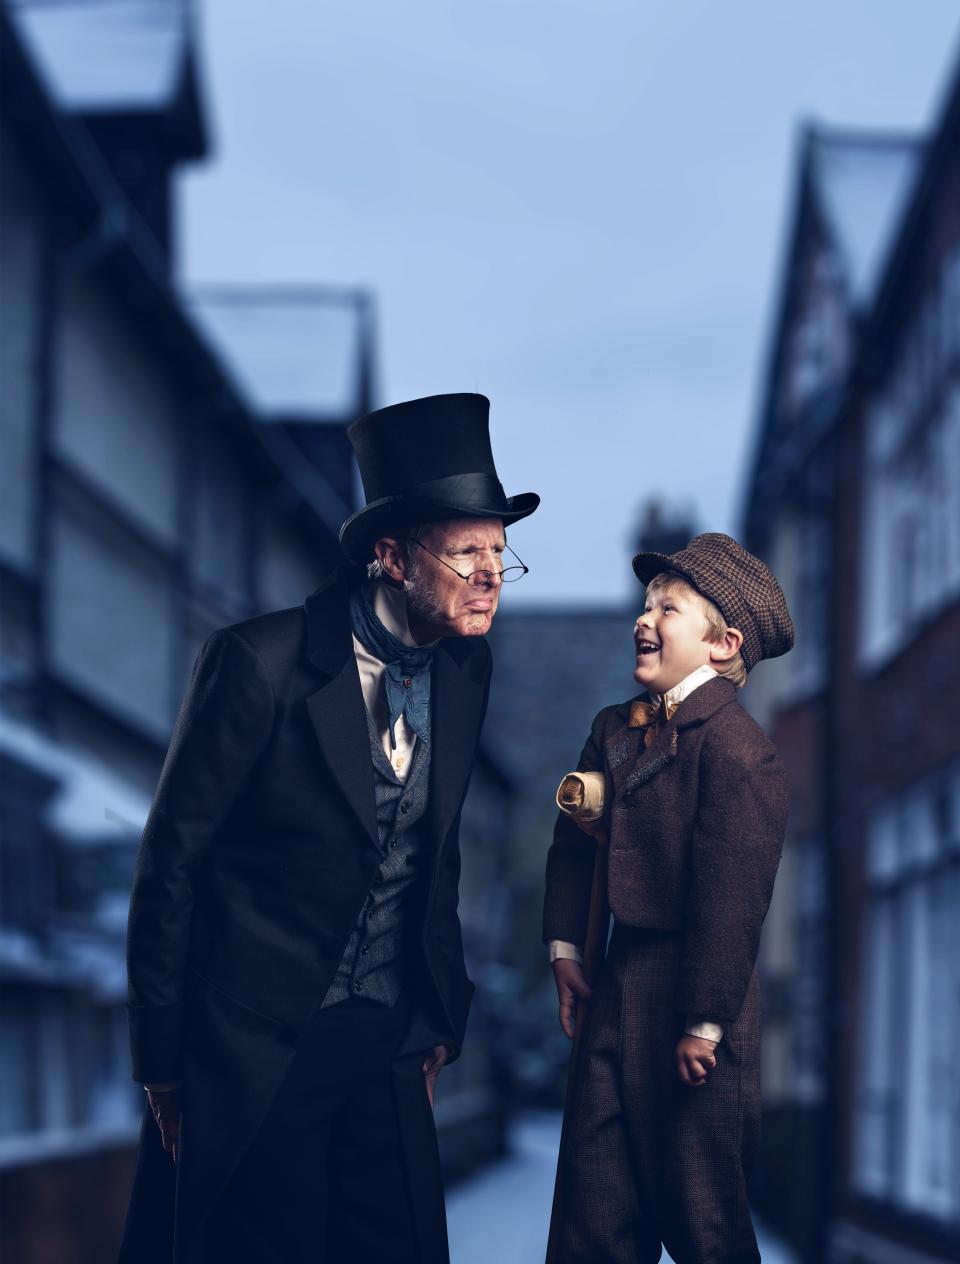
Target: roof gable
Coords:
[(119, 57), (851, 192), (861, 183), (295, 352)]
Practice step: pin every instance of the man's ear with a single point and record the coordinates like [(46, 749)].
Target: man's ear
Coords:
[(726, 648), (392, 556)]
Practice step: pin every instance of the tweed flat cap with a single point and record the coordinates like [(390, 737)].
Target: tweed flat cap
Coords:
[(742, 587)]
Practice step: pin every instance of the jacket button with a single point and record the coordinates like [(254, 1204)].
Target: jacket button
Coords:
[(364, 949), (358, 987), (407, 682), (405, 806)]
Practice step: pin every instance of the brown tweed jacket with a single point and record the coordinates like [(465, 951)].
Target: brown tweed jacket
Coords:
[(696, 825)]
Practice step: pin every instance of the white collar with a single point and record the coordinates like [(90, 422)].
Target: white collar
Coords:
[(676, 695), (390, 607)]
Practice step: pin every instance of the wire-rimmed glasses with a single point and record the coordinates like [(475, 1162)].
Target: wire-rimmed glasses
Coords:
[(476, 579)]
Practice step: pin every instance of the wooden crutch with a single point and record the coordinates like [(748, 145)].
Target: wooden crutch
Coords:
[(577, 792)]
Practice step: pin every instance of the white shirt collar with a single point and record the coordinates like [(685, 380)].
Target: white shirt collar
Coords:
[(698, 677)]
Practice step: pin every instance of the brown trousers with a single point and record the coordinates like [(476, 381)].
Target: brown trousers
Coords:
[(649, 1161)]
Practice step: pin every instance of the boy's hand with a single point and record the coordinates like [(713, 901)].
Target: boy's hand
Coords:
[(570, 985), (695, 1057)]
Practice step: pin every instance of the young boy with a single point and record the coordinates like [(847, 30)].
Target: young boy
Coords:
[(664, 1109)]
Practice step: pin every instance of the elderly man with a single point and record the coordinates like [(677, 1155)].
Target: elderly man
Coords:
[(296, 966)]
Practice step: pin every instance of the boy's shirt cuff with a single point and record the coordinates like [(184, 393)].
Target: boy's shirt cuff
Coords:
[(703, 1028), (560, 950)]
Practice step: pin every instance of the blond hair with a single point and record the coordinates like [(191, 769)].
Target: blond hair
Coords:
[(735, 669)]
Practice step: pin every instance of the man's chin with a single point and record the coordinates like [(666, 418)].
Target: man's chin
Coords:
[(476, 623)]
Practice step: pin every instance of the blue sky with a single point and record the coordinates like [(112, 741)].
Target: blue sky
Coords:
[(576, 207)]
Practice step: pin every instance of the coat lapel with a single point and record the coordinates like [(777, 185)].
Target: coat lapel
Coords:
[(457, 710), (337, 710), (631, 766)]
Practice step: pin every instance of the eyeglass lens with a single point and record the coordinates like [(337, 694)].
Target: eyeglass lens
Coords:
[(508, 576)]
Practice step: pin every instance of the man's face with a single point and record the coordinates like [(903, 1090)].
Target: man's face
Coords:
[(440, 603), (669, 638)]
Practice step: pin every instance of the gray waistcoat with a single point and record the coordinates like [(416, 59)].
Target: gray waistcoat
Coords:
[(372, 963)]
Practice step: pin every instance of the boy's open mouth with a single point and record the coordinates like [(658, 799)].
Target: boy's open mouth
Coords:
[(647, 647)]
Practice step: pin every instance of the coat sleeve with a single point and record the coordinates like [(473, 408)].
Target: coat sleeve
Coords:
[(570, 860), (224, 723), (737, 841)]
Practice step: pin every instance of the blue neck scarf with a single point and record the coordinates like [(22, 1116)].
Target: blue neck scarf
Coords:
[(407, 666)]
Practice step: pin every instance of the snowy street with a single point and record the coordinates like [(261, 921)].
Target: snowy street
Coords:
[(502, 1213)]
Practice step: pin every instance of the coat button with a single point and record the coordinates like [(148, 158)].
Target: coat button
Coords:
[(358, 987), (405, 805), (364, 949)]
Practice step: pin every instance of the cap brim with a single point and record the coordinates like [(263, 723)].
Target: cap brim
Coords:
[(646, 565), (359, 532)]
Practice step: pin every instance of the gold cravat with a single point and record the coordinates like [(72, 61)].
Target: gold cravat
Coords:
[(650, 716)]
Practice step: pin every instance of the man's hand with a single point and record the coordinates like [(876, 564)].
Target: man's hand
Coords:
[(165, 1107), (431, 1068), (571, 985), (695, 1058)]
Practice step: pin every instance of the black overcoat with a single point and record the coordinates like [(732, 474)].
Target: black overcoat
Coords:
[(259, 850)]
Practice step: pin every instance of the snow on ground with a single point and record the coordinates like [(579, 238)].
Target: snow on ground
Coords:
[(503, 1211)]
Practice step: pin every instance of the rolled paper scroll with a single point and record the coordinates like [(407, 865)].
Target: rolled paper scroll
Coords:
[(580, 795)]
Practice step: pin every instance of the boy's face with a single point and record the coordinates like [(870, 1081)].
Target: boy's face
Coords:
[(669, 638)]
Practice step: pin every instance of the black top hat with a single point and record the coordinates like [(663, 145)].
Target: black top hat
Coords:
[(423, 461)]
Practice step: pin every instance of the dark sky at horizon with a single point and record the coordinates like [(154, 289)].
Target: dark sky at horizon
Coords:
[(577, 208)]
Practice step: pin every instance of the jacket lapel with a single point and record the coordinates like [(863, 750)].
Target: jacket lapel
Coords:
[(697, 707), (337, 710), (457, 699), (661, 751)]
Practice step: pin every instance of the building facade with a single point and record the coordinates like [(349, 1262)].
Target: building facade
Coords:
[(854, 501), (147, 496)]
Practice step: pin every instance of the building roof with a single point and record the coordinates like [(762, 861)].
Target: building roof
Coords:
[(124, 254), (861, 182), (852, 190), (293, 352), (102, 54), (129, 58), (885, 324)]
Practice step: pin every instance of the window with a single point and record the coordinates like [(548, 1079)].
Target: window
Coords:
[(910, 526), (907, 1103)]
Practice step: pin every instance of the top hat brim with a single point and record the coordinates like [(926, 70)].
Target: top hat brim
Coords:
[(360, 531)]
